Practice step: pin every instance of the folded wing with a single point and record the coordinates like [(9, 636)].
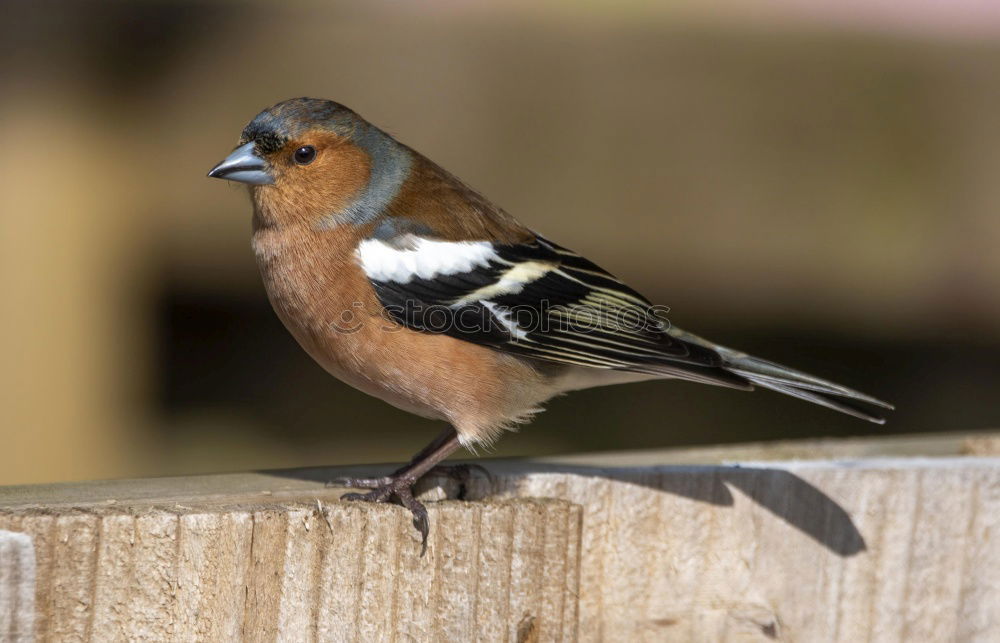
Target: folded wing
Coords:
[(542, 301), (535, 299)]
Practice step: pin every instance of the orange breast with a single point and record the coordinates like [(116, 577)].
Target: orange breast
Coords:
[(324, 299)]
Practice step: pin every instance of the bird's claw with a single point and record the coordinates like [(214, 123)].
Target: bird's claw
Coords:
[(461, 473), (398, 487), (400, 490), (420, 520)]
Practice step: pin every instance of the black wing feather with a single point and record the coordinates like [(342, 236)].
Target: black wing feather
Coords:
[(574, 313), (571, 311)]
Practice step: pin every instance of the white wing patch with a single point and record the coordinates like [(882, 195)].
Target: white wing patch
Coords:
[(422, 258)]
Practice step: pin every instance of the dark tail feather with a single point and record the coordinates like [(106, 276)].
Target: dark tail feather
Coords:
[(803, 386), (829, 401)]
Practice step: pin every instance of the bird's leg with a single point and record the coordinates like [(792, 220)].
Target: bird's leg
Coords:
[(376, 483), (398, 486)]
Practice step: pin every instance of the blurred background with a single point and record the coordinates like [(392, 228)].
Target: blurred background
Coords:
[(817, 183)]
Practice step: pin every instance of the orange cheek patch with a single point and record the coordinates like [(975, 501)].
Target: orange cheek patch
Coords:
[(334, 180)]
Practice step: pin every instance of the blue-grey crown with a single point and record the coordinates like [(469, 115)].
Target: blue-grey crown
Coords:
[(276, 125)]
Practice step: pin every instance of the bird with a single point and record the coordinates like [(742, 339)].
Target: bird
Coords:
[(405, 283)]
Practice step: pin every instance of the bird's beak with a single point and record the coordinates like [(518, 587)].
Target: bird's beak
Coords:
[(243, 166)]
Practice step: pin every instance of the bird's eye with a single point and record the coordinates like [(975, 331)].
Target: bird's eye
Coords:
[(304, 155)]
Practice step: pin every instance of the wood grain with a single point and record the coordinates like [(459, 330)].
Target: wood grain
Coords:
[(588, 548), (293, 573), (883, 550)]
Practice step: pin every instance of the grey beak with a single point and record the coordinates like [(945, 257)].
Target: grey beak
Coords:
[(243, 166)]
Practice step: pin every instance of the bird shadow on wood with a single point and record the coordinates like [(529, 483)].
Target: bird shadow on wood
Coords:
[(782, 493)]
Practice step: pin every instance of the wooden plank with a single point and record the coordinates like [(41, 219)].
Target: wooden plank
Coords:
[(892, 549), (268, 486), (17, 586), (623, 548), (288, 572)]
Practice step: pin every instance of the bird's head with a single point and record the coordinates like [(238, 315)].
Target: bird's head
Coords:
[(312, 159)]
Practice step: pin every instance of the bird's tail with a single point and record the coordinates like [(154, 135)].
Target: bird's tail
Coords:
[(805, 387), (789, 381)]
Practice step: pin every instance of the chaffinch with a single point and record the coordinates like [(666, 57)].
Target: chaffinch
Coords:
[(407, 284)]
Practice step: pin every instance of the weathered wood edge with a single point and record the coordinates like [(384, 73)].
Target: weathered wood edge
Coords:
[(306, 485)]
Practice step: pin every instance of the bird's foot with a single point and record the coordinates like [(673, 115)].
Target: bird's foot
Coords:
[(460, 473), (398, 487)]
